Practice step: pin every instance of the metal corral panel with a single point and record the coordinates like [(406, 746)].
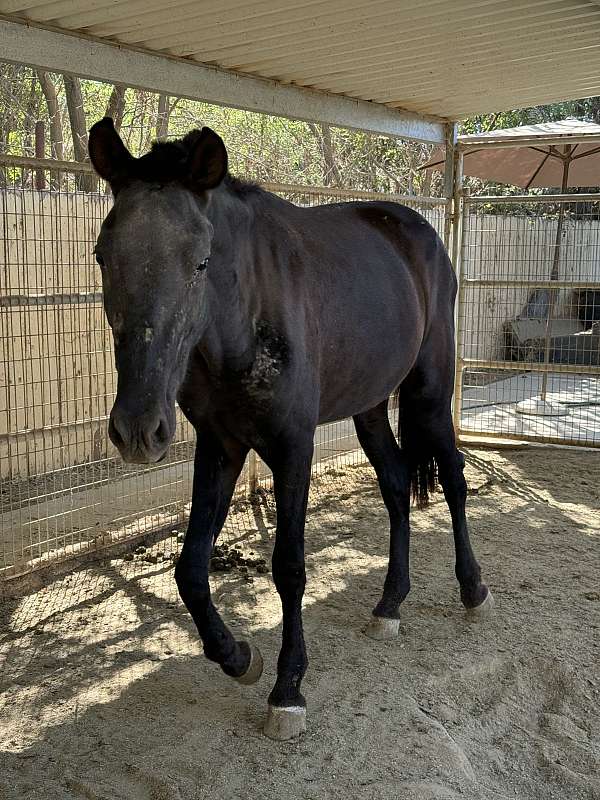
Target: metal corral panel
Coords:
[(449, 58)]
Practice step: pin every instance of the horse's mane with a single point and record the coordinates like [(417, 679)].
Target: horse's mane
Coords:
[(166, 162)]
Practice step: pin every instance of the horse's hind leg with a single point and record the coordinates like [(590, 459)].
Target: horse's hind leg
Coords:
[(475, 595), (427, 435), (390, 464)]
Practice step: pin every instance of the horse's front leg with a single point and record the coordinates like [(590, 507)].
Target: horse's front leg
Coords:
[(291, 478), (216, 470)]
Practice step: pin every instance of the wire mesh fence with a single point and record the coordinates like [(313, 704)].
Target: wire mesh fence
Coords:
[(63, 489), (529, 319)]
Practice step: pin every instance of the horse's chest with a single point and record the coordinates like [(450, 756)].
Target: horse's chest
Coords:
[(247, 401), (260, 382)]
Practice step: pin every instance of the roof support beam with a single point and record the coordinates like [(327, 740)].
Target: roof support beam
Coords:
[(100, 60)]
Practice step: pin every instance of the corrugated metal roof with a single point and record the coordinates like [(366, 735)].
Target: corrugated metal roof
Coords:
[(449, 58)]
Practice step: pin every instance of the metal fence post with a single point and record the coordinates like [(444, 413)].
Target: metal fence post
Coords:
[(459, 244), (449, 179)]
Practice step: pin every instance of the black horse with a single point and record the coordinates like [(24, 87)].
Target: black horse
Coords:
[(263, 319)]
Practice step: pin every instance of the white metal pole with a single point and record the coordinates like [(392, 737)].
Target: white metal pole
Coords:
[(457, 205), (459, 257), (554, 274), (449, 179)]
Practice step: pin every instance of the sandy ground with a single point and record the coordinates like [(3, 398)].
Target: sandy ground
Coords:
[(106, 694)]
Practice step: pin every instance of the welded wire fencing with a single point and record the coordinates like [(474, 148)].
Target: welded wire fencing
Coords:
[(529, 319), (64, 491)]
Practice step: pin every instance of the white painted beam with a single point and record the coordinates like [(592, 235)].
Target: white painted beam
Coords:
[(106, 61)]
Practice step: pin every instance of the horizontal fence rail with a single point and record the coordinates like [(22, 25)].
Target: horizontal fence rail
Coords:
[(531, 200), (64, 492), (61, 299)]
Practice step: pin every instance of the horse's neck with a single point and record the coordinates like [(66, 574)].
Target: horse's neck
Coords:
[(228, 342)]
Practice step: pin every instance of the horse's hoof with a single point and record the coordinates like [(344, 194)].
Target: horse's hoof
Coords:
[(483, 610), (382, 628), (285, 722), (255, 668)]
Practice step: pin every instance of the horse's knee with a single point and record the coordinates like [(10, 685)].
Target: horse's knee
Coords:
[(192, 590), (183, 575)]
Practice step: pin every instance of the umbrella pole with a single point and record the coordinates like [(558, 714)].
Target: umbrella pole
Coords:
[(554, 274)]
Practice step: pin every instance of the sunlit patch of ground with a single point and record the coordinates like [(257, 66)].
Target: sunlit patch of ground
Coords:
[(106, 694)]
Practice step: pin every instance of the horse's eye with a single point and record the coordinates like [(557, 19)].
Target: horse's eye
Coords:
[(203, 264)]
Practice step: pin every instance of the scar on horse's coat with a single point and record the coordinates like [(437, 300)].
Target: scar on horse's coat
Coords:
[(271, 357)]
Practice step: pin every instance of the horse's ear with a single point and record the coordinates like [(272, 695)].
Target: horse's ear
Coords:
[(109, 156), (207, 162)]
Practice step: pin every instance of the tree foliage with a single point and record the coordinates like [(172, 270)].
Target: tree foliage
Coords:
[(261, 147)]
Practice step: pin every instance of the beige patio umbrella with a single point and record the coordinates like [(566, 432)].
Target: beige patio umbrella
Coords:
[(563, 154)]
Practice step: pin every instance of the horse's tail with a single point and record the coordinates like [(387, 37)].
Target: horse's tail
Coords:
[(423, 481), (423, 465)]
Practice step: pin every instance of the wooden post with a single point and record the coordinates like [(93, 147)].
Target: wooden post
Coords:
[(40, 151), (252, 473)]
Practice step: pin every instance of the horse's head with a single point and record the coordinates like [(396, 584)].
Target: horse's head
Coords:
[(153, 249)]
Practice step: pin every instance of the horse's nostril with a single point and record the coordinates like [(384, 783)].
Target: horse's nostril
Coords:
[(156, 434), (114, 433), (161, 434)]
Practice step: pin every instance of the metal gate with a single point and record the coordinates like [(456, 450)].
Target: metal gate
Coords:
[(528, 320)]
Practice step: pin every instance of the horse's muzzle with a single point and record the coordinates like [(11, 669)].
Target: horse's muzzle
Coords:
[(142, 438)]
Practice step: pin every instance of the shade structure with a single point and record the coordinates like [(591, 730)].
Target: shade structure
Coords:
[(532, 156), (448, 58)]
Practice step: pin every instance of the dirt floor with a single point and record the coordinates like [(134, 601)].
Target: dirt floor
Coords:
[(106, 694)]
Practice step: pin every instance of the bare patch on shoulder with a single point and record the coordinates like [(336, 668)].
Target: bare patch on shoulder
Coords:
[(271, 357)]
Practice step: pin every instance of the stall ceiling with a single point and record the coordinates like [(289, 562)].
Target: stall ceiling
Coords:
[(444, 58)]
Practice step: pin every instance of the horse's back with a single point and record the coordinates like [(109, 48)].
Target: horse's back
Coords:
[(380, 241), (374, 276)]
